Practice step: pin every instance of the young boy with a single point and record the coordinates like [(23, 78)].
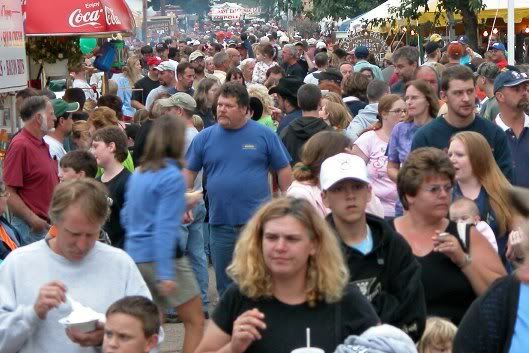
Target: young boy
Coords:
[(132, 326), (109, 146), (77, 164), (464, 210)]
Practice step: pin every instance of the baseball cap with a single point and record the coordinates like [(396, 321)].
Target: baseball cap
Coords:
[(154, 60), (166, 66), (455, 50), (498, 46), (488, 69), (284, 39), (342, 166), (361, 52), (430, 47), (509, 78), (463, 40), (179, 99), (436, 38), (195, 55), (329, 74), (60, 107), (321, 45), (161, 47), (312, 42), (196, 42)]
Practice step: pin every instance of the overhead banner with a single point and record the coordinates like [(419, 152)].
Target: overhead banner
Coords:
[(13, 65), (231, 11)]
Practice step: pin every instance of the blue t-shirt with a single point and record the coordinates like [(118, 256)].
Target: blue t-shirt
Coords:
[(400, 141), (125, 93), (366, 245), (236, 165), (520, 338)]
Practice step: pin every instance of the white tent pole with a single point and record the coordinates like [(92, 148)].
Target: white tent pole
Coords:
[(510, 32)]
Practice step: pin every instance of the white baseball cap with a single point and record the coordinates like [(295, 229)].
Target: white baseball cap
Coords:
[(342, 166), (321, 45)]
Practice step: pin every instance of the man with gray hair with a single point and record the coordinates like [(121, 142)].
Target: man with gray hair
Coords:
[(222, 63), (30, 173), (247, 67), (367, 116), (290, 62), (321, 60)]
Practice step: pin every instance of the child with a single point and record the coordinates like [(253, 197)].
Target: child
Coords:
[(132, 326), (77, 164), (465, 210), (109, 146), (438, 336)]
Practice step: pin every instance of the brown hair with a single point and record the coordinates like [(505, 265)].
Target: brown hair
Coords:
[(355, 85), (421, 164), (140, 308), (266, 50), (330, 86), (486, 170), (318, 148), (80, 161), (456, 72), (102, 117), (114, 134), (384, 105), (165, 140), (428, 92)]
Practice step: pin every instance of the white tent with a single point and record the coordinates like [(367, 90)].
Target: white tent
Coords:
[(381, 11)]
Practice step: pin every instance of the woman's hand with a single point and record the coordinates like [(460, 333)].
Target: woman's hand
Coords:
[(246, 330), (448, 244)]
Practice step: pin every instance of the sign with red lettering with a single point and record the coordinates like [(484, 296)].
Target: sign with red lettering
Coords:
[(13, 66), (74, 17)]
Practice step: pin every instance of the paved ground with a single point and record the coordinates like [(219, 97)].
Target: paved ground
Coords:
[(174, 333)]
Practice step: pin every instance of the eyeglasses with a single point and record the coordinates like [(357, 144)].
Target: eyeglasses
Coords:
[(399, 111), (436, 189)]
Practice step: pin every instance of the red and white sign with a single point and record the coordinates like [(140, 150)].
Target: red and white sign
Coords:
[(75, 17), (13, 65)]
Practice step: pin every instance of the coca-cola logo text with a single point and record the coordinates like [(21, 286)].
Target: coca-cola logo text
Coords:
[(78, 18)]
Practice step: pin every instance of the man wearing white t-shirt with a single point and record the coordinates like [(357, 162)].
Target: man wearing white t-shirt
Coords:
[(78, 73), (63, 126)]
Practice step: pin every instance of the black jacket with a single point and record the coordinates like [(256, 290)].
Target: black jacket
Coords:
[(298, 132), (389, 276), (488, 324)]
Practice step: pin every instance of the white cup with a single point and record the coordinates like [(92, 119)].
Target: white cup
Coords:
[(308, 350)]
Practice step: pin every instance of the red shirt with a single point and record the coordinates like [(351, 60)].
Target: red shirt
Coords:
[(29, 168)]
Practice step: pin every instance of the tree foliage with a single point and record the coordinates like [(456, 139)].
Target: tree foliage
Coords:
[(343, 8)]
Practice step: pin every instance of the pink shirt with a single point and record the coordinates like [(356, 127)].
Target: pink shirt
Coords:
[(377, 167)]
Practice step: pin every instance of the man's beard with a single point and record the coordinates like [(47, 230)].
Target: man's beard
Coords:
[(523, 105)]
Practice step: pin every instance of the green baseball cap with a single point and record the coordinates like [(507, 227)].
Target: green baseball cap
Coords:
[(60, 107)]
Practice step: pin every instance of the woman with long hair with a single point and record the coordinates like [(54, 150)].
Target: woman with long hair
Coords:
[(287, 264), (154, 205), (422, 106), (306, 184), (205, 95), (336, 115), (235, 74), (125, 81), (371, 146), (479, 178), (261, 93), (458, 263)]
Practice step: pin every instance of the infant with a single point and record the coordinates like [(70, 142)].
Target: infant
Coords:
[(464, 210)]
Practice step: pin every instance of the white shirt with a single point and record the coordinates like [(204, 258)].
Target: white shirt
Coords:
[(56, 148), (504, 126), (87, 89), (311, 79)]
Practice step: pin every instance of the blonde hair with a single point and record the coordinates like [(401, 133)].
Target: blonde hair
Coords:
[(80, 130), (130, 71), (198, 123), (489, 175), (327, 274), (261, 93), (338, 115), (90, 194), (438, 331), (89, 106)]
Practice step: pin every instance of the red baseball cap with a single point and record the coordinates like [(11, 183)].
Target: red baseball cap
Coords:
[(154, 60)]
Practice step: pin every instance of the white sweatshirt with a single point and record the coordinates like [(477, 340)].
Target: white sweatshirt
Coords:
[(105, 275)]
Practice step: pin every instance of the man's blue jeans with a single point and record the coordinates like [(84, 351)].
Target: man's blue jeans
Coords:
[(192, 241), (222, 239), (27, 236)]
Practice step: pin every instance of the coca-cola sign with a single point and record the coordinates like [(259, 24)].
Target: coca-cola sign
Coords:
[(78, 17)]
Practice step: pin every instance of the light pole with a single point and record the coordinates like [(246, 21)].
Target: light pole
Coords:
[(510, 32)]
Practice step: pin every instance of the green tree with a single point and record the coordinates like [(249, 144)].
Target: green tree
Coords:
[(343, 8), (468, 9)]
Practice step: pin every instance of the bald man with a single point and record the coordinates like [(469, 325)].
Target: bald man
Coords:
[(235, 57)]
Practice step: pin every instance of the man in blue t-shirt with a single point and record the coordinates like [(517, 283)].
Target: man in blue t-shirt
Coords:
[(236, 155), (458, 91)]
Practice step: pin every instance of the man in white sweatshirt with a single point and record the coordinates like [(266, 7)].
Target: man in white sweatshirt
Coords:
[(39, 281)]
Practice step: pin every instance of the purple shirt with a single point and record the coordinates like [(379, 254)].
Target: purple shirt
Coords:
[(400, 141)]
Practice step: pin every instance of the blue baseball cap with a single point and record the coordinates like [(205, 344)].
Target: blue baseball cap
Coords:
[(361, 52), (509, 78), (463, 40), (498, 46)]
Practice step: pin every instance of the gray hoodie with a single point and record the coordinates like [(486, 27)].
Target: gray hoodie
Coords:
[(378, 339), (364, 119)]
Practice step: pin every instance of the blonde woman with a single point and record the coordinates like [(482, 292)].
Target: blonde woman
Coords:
[(125, 82), (336, 115), (261, 93), (479, 178), (290, 275)]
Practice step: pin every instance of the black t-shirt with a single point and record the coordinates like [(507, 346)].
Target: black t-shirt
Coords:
[(141, 141), (286, 324), (116, 189), (147, 85), (296, 70)]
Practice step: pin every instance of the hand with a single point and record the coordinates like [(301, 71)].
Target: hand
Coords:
[(166, 287), (88, 339), (38, 225), (187, 217), (192, 199), (448, 245), (51, 295), (246, 330), (514, 245), (276, 114)]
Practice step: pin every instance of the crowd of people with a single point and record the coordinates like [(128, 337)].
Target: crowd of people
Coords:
[(380, 204)]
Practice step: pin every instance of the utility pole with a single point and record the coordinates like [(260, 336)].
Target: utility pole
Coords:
[(144, 22), (162, 7)]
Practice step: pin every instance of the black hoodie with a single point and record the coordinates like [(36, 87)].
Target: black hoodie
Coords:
[(389, 276), (298, 132)]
